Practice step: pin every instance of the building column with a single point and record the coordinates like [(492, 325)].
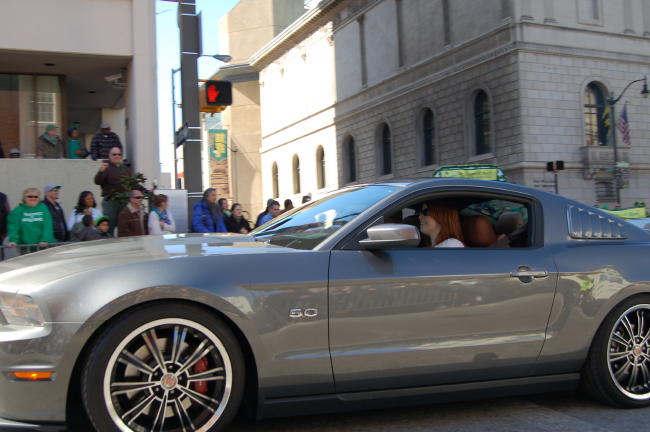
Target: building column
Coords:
[(142, 94)]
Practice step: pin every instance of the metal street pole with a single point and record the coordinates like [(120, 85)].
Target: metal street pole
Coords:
[(174, 70), (190, 44)]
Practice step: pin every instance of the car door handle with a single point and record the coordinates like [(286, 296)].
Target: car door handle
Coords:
[(526, 273)]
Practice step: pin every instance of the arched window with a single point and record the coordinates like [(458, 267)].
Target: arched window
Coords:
[(482, 123), (350, 152), (386, 151), (320, 167), (427, 138), (296, 174), (274, 180), (596, 123)]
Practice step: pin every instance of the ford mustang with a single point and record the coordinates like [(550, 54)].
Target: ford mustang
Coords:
[(334, 305)]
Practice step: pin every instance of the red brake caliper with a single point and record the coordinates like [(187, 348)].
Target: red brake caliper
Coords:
[(201, 366)]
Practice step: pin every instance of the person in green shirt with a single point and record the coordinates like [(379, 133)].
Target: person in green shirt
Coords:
[(30, 223)]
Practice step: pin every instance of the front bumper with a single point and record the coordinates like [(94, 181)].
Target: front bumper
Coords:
[(10, 425), (36, 404)]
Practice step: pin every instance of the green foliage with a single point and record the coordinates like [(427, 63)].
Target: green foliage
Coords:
[(129, 183)]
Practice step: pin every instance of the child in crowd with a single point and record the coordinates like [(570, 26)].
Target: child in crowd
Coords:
[(88, 232), (103, 227)]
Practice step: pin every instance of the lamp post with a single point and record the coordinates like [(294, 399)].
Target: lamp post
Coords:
[(611, 101)]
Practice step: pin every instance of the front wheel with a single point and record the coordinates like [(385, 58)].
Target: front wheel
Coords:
[(164, 368), (618, 368)]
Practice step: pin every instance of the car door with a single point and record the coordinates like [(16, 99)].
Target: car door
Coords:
[(428, 316)]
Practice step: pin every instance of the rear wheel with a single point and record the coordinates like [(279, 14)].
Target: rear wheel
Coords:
[(164, 368), (618, 368)]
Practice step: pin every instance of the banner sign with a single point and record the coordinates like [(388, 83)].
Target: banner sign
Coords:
[(477, 172), (628, 213), (217, 144)]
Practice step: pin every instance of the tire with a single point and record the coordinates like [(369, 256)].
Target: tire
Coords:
[(172, 356), (617, 371)]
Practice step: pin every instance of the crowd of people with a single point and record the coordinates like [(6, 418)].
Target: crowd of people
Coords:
[(40, 221)]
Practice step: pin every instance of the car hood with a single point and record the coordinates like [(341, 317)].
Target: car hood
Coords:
[(57, 262)]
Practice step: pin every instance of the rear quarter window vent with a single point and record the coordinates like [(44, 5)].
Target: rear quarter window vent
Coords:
[(585, 224)]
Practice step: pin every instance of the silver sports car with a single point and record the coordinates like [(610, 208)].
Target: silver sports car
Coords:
[(338, 304)]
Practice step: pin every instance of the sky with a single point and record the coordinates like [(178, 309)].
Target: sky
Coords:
[(167, 44)]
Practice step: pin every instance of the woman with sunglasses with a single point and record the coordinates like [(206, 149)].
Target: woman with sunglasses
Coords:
[(30, 223), (440, 225)]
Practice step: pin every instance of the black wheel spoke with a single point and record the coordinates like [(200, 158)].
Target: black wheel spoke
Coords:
[(131, 360), (215, 374), (128, 387), (137, 410), (183, 416), (151, 340), (200, 398), (201, 351)]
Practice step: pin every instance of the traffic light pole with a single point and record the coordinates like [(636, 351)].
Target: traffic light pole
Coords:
[(190, 44)]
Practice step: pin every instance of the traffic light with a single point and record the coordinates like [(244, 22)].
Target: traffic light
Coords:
[(218, 93), (555, 166)]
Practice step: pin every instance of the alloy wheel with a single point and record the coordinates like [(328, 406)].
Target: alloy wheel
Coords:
[(168, 375), (628, 355)]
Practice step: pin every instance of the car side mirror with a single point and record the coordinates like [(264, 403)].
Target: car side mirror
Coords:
[(387, 236)]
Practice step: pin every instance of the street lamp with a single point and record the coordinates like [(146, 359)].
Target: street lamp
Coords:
[(611, 101)]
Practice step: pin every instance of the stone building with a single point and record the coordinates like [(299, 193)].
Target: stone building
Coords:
[(244, 30), (365, 90)]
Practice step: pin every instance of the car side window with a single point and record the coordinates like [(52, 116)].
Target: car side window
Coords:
[(476, 221)]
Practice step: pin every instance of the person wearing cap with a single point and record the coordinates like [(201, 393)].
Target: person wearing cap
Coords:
[(59, 226), (14, 153), (109, 177), (50, 145), (103, 142)]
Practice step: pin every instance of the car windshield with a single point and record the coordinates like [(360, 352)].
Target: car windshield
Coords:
[(307, 226)]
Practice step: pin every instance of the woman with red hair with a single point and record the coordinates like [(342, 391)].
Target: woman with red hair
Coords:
[(440, 223)]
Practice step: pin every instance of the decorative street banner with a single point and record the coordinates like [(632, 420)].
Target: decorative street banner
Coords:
[(478, 172), (217, 140), (628, 213)]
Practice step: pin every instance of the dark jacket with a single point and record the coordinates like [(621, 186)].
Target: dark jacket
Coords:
[(101, 145), (109, 180), (203, 222), (88, 234), (130, 223), (59, 225), (4, 212), (235, 226), (47, 150)]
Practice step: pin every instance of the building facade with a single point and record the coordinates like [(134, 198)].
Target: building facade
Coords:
[(366, 90), (245, 29), (76, 62)]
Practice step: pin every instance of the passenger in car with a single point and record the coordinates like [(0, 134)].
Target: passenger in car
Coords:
[(440, 225)]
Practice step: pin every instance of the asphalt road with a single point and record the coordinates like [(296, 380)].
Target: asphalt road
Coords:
[(555, 412)]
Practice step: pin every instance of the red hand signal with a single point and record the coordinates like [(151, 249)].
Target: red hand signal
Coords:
[(213, 93)]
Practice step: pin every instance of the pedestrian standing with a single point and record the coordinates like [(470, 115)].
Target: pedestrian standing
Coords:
[(109, 178), (272, 212), (86, 205), (75, 148), (236, 222), (223, 205), (206, 214), (50, 145), (132, 220), (161, 220), (51, 200), (288, 205), (30, 222), (103, 142)]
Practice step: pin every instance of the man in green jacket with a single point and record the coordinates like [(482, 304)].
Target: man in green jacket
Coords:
[(30, 222)]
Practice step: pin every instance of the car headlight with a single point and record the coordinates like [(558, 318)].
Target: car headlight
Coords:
[(20, 310)]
